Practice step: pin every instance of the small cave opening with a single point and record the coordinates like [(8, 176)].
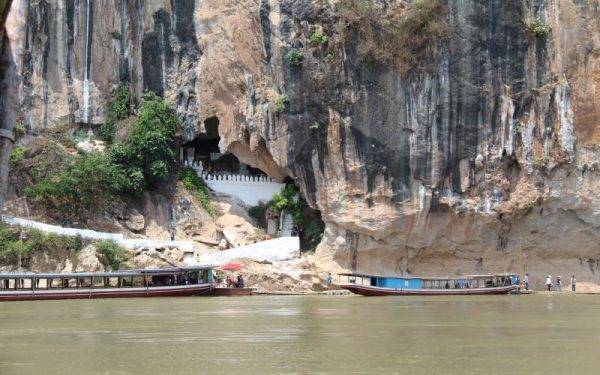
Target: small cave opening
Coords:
[(203, 153)]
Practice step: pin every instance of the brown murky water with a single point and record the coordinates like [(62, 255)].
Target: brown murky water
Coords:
[(545, 334)]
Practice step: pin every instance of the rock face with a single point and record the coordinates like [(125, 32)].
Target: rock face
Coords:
[(481, 157), (86, 260)]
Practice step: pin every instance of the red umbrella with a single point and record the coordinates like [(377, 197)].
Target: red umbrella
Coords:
[(232, 266)]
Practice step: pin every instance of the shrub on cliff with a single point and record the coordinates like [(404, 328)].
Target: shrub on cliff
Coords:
[(541, 162), (150, 147), (119, 108), (317, 38), (83, 182), (11, 245), (280, 102), (19, 130), (114, 253), (537, 28), (192, 182), (295, 57), (16, 156)]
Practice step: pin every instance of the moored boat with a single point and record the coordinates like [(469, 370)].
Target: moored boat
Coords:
[(373, 285), (171, 282)]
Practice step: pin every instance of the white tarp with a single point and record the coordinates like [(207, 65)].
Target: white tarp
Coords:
[(278, 249), (129, 243)]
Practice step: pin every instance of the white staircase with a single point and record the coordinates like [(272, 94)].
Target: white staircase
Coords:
[(286, 225)]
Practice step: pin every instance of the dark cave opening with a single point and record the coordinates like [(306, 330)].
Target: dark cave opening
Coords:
[(204, 152)]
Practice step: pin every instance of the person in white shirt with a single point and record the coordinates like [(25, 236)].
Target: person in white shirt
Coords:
[(526, 280), (549, 282), (558, 284)]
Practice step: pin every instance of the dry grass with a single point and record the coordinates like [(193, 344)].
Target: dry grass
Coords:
[(405, 36)]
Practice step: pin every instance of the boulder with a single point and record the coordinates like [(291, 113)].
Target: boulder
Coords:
[(88, 260), (135, 221)]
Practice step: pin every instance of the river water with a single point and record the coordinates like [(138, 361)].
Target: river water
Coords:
[(545, 334)]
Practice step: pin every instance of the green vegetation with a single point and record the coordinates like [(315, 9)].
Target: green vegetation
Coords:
[(83, 181), (192, 182), (280, 102), (140, 162), (150, 148), (19, 130), (11, 245), (313, 232), (16, 156), (310, 228), (118, 109), (537, 28), (115, 35), (518, 129), (318, 39), (258, 212), (286, 201), (386, 35), (295, 57), (541, 162), (114, 253)]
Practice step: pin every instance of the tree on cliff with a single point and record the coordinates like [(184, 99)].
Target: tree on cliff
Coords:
[(145, 158)]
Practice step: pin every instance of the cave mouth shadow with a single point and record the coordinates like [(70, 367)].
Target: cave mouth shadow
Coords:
[(204, 151)]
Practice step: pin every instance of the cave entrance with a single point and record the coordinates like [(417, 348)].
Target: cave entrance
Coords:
[(204, 155)]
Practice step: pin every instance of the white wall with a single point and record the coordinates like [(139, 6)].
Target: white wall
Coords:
[(251, 190)]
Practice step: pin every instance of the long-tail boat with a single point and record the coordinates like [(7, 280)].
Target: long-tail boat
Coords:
[(373, 285), (169, 282)]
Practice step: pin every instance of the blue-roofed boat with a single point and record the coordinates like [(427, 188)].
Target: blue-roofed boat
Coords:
[(373, 285)]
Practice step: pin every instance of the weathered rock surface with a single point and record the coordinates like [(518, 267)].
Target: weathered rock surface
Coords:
[(86, 260), (487, 160)]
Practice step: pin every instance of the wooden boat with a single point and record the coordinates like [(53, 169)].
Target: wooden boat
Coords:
[(172, 282), (230, 292), (372, 285)]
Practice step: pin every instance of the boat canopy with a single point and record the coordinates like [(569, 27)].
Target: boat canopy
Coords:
[(124, 273), (462, 277)]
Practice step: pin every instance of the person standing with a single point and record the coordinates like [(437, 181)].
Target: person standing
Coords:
[(240, 282), (549, 282), (526, 280), (573, 283), (329, 279), (558, 284)]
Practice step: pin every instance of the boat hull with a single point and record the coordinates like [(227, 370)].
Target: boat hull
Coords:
[(230, 292), (366, 290), (92, 293)]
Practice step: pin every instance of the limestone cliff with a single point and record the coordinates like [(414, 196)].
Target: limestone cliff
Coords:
[(468, 145)]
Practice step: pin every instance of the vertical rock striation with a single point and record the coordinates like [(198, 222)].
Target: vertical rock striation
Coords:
[(477, 151)]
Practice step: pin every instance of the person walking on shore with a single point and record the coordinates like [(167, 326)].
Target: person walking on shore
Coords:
[(558, 284), (329, 280), (549, 282), (526, 280), (573, 283)]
